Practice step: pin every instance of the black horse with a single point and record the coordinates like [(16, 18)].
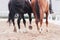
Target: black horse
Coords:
[(19, 7)]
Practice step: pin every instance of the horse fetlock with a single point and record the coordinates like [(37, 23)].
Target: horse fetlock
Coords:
[(21, 31), (40, 29), (15, 30), (9, 22), (24, 30), (46, 29)]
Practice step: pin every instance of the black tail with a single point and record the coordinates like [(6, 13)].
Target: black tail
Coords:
[(50, 8), (9, 15), (11, 12)]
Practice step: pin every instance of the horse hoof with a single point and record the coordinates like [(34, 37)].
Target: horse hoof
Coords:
[(15, 30), (20, 31), (46, 30), (25, 30), (40, 30), (30, 27)]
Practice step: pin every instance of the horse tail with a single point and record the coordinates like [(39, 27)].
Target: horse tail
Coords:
[(11, 12), (9, 18), (50, 9)]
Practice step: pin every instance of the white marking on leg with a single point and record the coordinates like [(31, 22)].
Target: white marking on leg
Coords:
[(40, 29), (20, 30), (24, 30)]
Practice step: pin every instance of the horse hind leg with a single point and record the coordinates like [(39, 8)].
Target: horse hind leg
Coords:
[(9, 17), (30, 19), (18, 22), (13, 15), (24, 22), (37, 25), (47, 21), (15, 30), (35, 17), (41, 19)]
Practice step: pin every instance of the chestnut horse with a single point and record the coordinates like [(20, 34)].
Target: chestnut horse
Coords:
[(43, 8)]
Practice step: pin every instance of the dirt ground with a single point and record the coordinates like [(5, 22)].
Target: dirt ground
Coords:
[(6, 32)]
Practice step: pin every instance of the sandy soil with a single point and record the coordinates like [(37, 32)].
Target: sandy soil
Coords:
[(6, 32)]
